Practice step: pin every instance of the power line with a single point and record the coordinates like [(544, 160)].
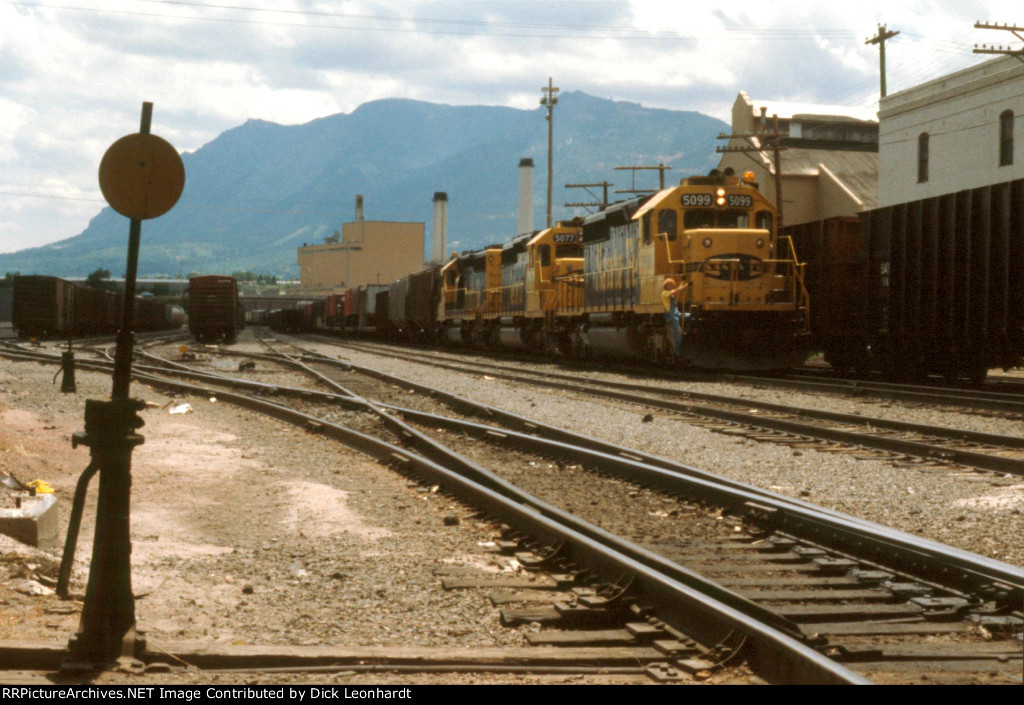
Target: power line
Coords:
[(552, 31)]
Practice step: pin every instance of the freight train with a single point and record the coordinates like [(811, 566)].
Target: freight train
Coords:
[(215, 311), (49, 306), (930, 287), (592, 286)]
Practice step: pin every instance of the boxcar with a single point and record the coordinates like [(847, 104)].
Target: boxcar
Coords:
[(42, 306), (214, 311)]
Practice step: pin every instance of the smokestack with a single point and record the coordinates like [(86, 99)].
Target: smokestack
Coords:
[(438, 254), (359, 207), (525, 196)]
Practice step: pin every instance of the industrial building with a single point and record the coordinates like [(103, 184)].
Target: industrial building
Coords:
[(365, 252), (828, 156)]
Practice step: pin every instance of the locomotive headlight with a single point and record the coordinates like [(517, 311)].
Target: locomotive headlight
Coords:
[(706, 242), (720, 196), (759, 243)]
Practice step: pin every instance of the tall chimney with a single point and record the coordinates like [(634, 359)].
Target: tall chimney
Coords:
[(359, 207), (438, 254), (525, 196)]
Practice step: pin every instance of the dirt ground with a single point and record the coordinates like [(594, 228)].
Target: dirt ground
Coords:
[(247, 532)]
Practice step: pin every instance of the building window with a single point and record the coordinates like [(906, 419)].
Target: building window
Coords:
[(922, 158), (1006, 138)]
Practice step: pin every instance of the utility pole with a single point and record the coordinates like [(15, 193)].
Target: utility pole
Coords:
[(661, 169), (879, 39), (763, 137), (603, 203), (1006, 51), (549, 101)]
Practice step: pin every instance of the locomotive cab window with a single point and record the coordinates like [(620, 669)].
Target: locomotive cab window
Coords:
[(545, 255), (701, 218), (667, 223), (763, 221), (563, 251), (734, 219), (716, 219)]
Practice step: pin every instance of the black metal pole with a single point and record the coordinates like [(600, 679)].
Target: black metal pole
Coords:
[(107, 628)]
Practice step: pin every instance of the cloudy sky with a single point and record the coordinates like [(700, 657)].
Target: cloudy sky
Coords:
[(74, 73)]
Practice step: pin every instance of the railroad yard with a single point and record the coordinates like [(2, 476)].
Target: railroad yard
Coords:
[(268, 552)]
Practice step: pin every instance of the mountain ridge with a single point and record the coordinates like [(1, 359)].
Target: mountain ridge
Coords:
[(260, 189)]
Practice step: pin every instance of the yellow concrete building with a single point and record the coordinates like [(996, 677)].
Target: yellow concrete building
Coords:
[(366, 252)]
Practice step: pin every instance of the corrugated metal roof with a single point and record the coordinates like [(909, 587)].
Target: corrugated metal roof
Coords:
[(858, 170)]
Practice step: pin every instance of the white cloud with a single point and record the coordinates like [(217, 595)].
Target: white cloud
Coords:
[(73, 77)]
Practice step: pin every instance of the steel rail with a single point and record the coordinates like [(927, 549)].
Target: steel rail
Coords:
[(921, 449), (671, 599), (676, 594), (934, 396), (974, 399), (867, 540), (790, 511)]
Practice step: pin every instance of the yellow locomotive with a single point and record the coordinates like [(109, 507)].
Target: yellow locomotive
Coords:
[(593, 286)]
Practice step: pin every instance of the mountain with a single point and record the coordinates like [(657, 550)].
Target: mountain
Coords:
[(258, 191)]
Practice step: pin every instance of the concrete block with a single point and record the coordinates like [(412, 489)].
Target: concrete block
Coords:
[(35, 522)]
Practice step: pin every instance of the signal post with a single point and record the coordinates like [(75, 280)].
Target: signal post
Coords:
[(141, 177)]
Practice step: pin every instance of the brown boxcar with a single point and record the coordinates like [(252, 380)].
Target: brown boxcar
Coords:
[(41, 306), (44, 305), (421, 304), (213, 308)]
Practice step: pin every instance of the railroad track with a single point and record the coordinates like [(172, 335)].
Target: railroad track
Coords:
[(1002, 395), (901, 442), (786, 564)]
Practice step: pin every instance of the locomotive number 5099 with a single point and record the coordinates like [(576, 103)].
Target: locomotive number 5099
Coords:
[(696, 200)]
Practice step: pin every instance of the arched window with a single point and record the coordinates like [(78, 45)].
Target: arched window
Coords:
[(922, 157), (1006, 138)]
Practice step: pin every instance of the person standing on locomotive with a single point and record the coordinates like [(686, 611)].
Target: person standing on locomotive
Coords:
[(673, 316)]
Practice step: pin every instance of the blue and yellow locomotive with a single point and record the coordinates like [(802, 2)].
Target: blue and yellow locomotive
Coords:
[(592, 287)]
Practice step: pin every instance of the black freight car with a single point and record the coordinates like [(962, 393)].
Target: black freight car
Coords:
[(412, 305), (42, 306), (50, 306), (214, 310), (286, 320), (927, 287)]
